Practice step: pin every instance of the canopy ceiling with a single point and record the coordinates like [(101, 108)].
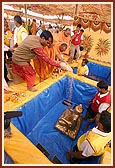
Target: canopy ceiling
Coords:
[(97, 12)]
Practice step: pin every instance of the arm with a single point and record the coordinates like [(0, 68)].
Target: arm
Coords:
[(77, 155), (60, 58), (39, 52), (73, 36), (86, 151)]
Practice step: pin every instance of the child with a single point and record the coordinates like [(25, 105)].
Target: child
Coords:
[(83, 69)]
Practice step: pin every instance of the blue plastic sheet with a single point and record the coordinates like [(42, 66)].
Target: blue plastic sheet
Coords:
[(99, 71), (41, 114), (7, 159)]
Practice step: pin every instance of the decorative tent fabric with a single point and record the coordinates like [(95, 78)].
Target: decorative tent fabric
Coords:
[(94, 25), (93, 16)]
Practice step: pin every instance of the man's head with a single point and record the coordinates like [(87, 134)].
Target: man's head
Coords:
[(84, 62), (63, 47), (50, 26), (43, 27), (17, 21), (104, 121), (78, 28), (46, 38), (67, 32), (29, 21), (102, 86), (34, 20), (23, 23)]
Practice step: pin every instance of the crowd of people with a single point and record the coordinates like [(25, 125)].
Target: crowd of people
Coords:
[(46, 48), (42, 45)]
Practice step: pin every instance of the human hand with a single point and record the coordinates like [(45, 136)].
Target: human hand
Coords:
[(66, 67), (68, 155), (12, 49)]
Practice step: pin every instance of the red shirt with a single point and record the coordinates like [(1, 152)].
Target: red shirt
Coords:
[(98, 100), (77, 39)]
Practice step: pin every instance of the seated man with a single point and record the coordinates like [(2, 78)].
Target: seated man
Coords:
[(83, 69), (93, 142)]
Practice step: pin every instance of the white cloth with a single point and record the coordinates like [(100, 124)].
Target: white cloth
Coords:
[(15, 35), (6, 48), (103, 106), (86, 147), (87, 72), (39, 32)]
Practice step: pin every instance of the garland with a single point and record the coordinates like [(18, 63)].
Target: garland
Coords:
[(94, 25)]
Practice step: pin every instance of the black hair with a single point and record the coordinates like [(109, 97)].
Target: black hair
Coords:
[(82, 30), (67, 29), (105, 120), (64, 45), (34, 20), (46, 34), (81, 48), (79, 25), (102, 84), (18, 19), (85, 60)]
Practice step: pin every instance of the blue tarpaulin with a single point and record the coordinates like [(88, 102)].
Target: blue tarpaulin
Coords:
[(41, 114), (99, 71)]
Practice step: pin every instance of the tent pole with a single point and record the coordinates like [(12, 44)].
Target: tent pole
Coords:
[(76, 10), (26, 12), (62, 19)]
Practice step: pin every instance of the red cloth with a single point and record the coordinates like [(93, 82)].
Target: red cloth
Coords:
[(77, 39), (26, 72), (97, 101)]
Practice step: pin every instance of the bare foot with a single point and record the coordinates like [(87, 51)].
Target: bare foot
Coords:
[(32, 89), (10, 82)]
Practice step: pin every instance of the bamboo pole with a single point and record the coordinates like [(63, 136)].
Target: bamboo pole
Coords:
[(25, 6), (76, 10), (62, 19)]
